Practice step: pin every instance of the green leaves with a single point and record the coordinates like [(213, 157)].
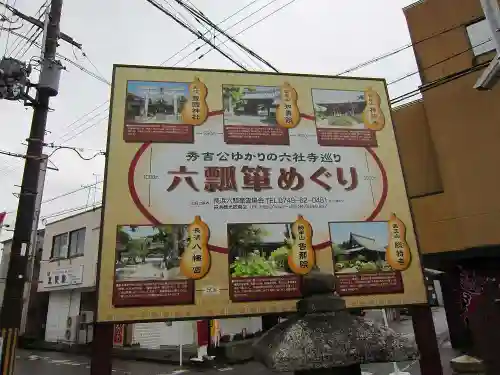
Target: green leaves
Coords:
[(256, 264)]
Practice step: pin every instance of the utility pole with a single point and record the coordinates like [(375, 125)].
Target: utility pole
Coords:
[(33, 250), (10, 316)]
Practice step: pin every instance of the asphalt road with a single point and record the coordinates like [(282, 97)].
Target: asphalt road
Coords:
[(52, 363)]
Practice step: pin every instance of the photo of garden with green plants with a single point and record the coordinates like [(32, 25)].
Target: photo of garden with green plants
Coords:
[(259, 249), (360, 247)]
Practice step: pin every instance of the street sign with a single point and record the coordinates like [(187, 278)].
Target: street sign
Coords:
[(218, 202)]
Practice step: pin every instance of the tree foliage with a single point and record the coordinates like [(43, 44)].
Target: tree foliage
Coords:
[(243, 238)]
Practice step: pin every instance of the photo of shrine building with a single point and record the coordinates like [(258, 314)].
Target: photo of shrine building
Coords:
[(366, 247), (250, 105), (338, 108), (155, 102)]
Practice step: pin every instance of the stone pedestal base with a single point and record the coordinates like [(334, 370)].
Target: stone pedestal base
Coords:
[(467, 365)]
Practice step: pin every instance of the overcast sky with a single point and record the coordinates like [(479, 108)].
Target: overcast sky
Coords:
[(313, 36)]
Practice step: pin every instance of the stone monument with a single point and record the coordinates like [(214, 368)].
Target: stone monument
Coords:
[(323, 337)]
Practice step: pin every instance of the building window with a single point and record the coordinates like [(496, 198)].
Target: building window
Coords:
[(480, 37), (76, 242), (60, 246)]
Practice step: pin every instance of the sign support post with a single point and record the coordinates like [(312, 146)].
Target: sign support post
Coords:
[(101, 362), (425, 336)]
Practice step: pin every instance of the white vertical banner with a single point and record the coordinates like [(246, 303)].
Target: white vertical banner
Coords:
[(181, 341)]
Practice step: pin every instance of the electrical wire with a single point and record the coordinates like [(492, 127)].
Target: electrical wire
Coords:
[(406, 46), (38, 14), (226, 30), (84, 116), (203, 20), (66, 194), (10, 167), (437, 63), (66, 211), (33, 40), (13, 154), (207, 30), (438, 82), (201, 17), (6, 6), (432, 84), (74, 149), (195, 32), (195, 40), (95, 67), (62, 57), (245, 29), (99, 121), (3, 18)]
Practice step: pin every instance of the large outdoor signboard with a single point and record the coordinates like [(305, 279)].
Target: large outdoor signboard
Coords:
[(224, 188)]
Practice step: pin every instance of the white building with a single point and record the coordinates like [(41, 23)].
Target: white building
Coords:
[(68, 275)]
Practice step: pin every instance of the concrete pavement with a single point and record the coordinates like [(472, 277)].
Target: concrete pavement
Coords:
[(405, 326), (54, 363)]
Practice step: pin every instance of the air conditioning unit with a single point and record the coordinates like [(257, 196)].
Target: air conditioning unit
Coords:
[(71, 332)]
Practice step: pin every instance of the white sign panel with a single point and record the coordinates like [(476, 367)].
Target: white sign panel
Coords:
[(64, 277)]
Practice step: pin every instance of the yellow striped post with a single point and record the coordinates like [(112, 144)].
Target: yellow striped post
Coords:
[(9, 342)]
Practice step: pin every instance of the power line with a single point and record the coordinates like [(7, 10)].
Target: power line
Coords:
[(62, 57), (66, 194), (433, 83), (74, 149), (406, 46), (34, 38), (66, 211), (9, 167), (99, 121), (195, 32), (245, 29), (83, 116), (13, 154), (207, 30), (438, 82), (437, 63), (201, 17), (195, 40), (20, 39), (226, 30)]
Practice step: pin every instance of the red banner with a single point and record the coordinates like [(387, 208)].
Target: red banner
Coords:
[(203, 332), (118, 334), (2, 217)]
